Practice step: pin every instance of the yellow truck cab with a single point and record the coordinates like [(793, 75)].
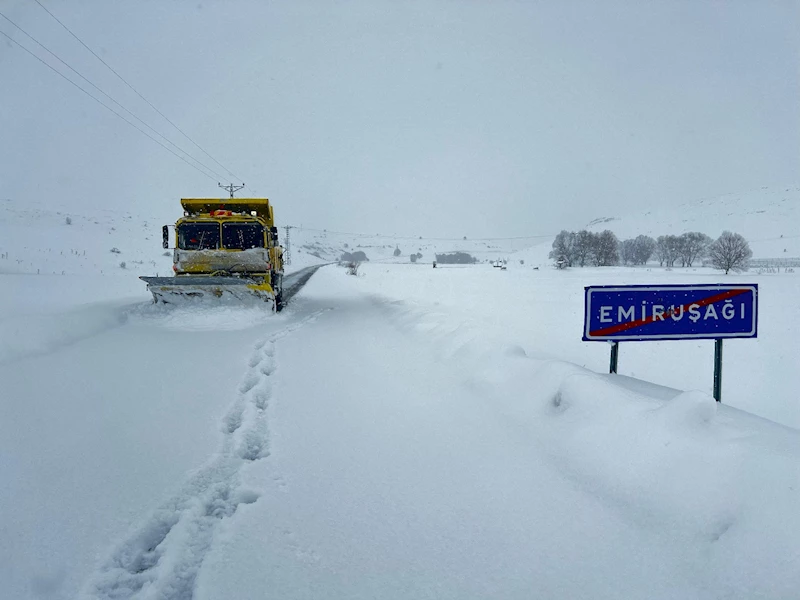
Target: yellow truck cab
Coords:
[(223, 246)]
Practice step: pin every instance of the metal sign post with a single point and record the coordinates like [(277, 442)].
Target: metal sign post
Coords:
[(612, 368), (718, 370), (639, 313)]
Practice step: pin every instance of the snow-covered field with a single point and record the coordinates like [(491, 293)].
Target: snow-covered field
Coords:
[(407, 433)]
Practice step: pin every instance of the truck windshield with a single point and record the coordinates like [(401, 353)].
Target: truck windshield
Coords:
[(198, 236), (242, 236)]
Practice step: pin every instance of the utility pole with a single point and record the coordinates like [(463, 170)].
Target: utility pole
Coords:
[(287, 257), (231, 188)]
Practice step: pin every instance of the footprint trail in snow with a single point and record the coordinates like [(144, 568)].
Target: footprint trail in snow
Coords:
[(162, 557)]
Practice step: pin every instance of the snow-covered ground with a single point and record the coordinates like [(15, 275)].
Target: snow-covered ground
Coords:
[(408, 433)]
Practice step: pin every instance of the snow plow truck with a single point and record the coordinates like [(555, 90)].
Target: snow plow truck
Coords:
[(223, 249)]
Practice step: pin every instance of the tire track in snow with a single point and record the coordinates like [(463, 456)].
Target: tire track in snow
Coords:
[(163, 556)]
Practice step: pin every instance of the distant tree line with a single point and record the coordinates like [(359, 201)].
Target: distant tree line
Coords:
[(730, 252)]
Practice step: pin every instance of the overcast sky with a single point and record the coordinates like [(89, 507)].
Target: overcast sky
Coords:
[(413, 118)]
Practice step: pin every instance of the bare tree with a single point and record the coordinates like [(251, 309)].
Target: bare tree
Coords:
[(667, 250), (583, 247), (692, 246), (680, 248), (564, 247), (643, 249), (674, 244), (627, 252), (604, 249), (730, 252), (661, 250)]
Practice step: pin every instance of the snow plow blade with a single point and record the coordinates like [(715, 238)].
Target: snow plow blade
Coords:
[(183, 289)]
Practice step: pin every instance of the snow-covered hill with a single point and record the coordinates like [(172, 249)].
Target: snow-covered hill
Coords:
[(768, 217), (55, 240)]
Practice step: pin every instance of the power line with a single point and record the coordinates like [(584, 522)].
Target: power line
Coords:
[(121, 78), (58, 58), (107, 107)]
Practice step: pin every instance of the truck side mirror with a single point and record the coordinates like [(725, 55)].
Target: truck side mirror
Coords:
[(165, 236)]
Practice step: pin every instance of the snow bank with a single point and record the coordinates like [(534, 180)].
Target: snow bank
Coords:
[(715, 478), (23, 336), (720, 483), (542, 311)]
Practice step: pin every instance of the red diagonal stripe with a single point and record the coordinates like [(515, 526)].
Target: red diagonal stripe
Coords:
[(704, 302)]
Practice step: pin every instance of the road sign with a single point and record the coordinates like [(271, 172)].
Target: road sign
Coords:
[(670, 312)]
